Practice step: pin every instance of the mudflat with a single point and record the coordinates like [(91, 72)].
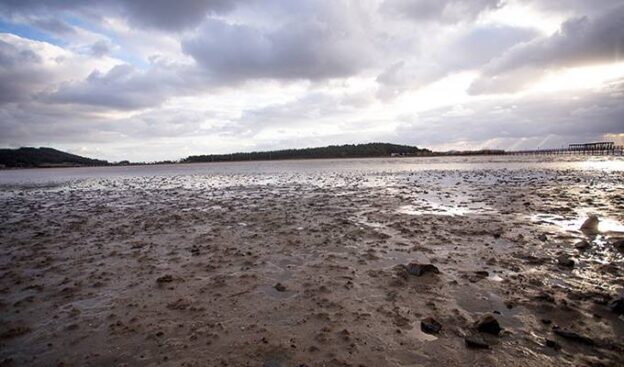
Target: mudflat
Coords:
[(370, 262)]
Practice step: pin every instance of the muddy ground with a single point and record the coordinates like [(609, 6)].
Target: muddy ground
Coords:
[(310, 270)]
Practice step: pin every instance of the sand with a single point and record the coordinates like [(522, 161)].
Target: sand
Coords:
[(310, 269)]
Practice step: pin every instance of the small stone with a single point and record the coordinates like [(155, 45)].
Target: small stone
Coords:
[(165, 279), (476, 341), (590, 226), (478, 275), (421, 269), (581, 245), (430, 326), (488, 324), (573, 336), (552, 344), (565, 260), (619, 245), (280, 287), (542, 237), (617, 305)]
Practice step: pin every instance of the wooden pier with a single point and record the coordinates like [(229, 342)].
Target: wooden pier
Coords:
[(604, 148)]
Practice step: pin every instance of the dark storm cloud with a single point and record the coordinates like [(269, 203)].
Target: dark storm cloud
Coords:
[(123, 87), (101, 48), (158, 14), (581, 41), (314, 48), (20, 72), (446, 11)]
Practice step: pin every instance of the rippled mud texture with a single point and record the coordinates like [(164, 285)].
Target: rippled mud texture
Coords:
[(306, 270)]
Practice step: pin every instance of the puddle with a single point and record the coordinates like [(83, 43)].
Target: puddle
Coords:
[(434, 209), (574, 225)]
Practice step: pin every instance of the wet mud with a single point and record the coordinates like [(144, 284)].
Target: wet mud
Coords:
[(315, 268)]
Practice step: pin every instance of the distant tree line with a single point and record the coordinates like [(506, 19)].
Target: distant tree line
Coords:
[(44, 157), (332, 151)]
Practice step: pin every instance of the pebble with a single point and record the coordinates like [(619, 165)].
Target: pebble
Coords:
[(430, 326), (488, 324), (421, 269)]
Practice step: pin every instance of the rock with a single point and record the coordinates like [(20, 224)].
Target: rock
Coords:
[(421, 269), (280, 287), (590, 226), (581, 245), (573, 336), (552, 344), (617, 305), (565, 260), (476, 341), (165, 279), (488, 324), (430, 326), (478, 275), (542, 237), (619, 245)]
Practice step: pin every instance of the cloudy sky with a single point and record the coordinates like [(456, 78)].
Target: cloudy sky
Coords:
[(159, 79)]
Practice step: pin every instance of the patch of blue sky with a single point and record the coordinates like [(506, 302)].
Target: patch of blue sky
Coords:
[(120, 53), (29, 32)]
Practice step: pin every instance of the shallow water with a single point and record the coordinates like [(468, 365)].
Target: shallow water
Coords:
[(321, 171)]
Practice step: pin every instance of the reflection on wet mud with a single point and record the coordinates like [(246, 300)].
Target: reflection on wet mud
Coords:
[(303, 263)]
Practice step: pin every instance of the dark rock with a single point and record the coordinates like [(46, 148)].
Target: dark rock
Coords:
[(617, 305), (165, 279), (565, 260), (573, 336), (488, 324), (581, 245), (478, 275), (542, 237), (619, 245), (590, 226), (546, 321), (430, 326), (552, 344), (545, 296), (476, 341), (280, 287), (421, 269)]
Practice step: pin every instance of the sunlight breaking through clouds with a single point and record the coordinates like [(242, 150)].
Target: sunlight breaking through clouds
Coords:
[(148, 80)]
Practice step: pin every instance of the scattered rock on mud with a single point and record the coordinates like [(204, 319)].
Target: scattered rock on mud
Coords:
[(582, 245), (488, 324), (565, 261), (421, 269), (617, 305), (430, 326), (167, 278), (590, 226)]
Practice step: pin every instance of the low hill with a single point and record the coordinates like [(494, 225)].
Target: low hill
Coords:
[(332, 151), (44, 157)]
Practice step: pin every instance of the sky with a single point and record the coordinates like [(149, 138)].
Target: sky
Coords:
[(149, 80)]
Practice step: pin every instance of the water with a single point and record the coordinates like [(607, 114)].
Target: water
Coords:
[(320, 172)]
